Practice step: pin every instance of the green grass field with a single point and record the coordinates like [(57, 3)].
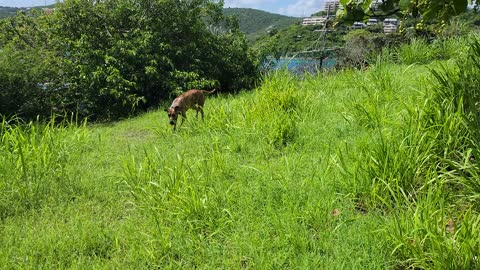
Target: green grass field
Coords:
[(343, 170)]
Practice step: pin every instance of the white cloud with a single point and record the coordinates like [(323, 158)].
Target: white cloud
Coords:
[(248, 3), (302, 8)]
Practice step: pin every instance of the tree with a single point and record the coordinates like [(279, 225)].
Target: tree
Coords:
[(428, 10), (111, 58)]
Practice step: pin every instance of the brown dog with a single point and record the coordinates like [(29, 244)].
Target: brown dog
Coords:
[(192, 99)]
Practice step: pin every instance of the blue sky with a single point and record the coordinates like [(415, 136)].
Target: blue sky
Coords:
[(297, 8)]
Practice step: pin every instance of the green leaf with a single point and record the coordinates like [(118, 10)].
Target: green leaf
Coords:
[(366, 5), (404, 4), (340, 13)]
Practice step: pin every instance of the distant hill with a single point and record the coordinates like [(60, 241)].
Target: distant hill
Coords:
[(6, 12), (253, 22), (256, 23), (9, 11)]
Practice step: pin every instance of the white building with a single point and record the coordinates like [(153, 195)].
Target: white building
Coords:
[(358, 25), (372, 22), (331, 7), (390, 21), (315, 20), (390, 25)]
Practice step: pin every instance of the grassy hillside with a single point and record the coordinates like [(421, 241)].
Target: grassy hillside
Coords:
[(255, 23), (332, 171), (251, 186)]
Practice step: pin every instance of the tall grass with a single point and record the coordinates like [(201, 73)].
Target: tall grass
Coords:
[(420, 165), (33, 158), (419, 51), (276, 109), (369, 169), (252, 191)]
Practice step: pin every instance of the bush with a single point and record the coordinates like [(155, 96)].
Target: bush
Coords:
[(276, 109), (112, 59)]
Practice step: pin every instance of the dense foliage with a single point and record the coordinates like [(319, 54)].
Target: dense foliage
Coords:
[(298, 38), (428, 10), (257, 23), (111, 58), (8, 11)]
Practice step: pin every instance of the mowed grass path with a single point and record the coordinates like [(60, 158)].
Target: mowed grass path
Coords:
[(255, 185)]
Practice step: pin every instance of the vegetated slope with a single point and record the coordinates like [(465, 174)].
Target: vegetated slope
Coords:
[(310, 173), (6, 12), (250, 186), (297, 38), (254, 22)]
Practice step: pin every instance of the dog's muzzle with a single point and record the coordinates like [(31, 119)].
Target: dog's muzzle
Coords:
[(172, 122)]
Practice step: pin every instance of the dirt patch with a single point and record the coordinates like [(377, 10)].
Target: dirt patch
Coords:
[(139, 135)]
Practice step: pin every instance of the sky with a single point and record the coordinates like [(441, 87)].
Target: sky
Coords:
[(295, 8)]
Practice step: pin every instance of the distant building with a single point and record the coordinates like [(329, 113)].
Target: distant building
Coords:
[(372, 22), (389, 28), (331, 7), (390, 21), (48, 11), (315, 20), (390, 25), (358, 25)]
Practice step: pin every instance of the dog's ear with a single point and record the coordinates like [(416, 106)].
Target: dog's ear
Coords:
[(177, 108)]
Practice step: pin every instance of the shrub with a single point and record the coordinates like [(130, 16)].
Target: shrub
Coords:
[(276, 109)]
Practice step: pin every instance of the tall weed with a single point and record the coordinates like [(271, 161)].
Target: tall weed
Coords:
[(417, 52), (424, 171), (33, 157), (276, 109), (456, 102), (429, 234), (394, 143)]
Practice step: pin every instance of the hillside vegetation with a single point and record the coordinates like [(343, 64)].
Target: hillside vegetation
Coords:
[(108, 60), (256, 23), (358, 169), (6, 12)]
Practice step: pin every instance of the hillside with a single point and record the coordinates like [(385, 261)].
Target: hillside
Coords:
[(255, 23), (357, 169), (9, 11), (6, 12)]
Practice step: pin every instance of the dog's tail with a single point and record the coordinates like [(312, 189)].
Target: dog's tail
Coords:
[(209, 92)]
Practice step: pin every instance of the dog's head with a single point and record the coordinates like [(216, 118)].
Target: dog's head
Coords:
[(173, 113)]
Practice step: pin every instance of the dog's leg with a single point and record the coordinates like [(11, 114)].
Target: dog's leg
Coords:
[(184, 116)]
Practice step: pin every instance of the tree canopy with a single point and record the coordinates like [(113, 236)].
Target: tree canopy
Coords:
[(428, 10), (107, 59)]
